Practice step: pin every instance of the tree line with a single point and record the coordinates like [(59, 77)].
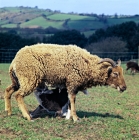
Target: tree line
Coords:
[(122, 37)]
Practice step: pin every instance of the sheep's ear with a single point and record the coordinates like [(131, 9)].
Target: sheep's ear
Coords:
[(109, 71)]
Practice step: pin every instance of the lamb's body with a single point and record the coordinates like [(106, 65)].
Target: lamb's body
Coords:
[(54, 100), (59, 66), (133, 66)]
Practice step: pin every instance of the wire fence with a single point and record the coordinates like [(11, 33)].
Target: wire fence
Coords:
[(7, 55)]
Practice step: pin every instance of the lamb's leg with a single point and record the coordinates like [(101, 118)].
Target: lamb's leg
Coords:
[(7, 97), (72, 98), (36, 112), (19, 97), (127, 70), (68, 115)]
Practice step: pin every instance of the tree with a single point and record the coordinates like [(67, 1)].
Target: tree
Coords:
[(128, 32), (13, 41), (134, 41), (110, 44), (68, 37), (99, 34)]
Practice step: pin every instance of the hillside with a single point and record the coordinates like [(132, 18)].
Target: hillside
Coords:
[(19, 18)]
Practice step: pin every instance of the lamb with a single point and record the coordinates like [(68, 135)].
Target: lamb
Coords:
[(52, 101), (62, 66), (133, 66)]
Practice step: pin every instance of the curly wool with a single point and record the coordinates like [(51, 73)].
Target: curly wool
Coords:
[(58, 65)]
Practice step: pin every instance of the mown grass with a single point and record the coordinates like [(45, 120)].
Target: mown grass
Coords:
[(105, 114)]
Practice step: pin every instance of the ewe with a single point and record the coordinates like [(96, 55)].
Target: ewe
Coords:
[(60, 66)]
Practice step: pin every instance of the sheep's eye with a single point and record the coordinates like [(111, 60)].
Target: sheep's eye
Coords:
[(115, 74)]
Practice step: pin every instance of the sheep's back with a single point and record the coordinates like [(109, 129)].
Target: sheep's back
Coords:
[(53, 63)]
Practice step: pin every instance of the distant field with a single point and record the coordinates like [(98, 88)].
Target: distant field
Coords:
[(26, 17), (79, 25), (88, 33), (113, 21), (71, 17), (105, 114), (12, 9), (9, 26), (41, 22), (3, 22)]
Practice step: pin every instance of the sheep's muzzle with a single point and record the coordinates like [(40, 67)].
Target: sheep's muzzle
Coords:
[(121, 89)]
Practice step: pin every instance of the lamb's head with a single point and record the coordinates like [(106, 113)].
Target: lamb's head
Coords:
[(115, 75)]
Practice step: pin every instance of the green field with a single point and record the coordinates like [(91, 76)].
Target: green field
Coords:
[(71, 17), (105, 114), (9, 26), (41, 22), (27, 17), (85, 24), (114, 21)]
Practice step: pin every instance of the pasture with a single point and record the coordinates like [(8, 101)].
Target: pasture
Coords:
[(105, 114), (27, 17)]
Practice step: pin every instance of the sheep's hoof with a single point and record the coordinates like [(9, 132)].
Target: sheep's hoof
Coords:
[(77, 120), (32, 120), (27, 117), (8, 113)]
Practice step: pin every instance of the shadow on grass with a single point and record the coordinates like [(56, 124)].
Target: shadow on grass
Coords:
[(82, 114)]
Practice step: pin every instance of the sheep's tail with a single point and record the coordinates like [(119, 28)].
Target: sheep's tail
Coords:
[(14, 79)]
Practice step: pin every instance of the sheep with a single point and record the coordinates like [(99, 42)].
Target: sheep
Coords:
[(133, 66), (62, 66)]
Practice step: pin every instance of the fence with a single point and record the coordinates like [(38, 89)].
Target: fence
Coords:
[(6, 55)]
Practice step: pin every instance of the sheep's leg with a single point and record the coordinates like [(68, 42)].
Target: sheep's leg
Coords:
[(21, 105), (72, 98), (7, 97), (68, 114)]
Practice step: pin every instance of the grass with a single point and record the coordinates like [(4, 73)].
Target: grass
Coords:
[(114, 21), (41, 22), (79, 25), (88, 33), (105, 114), (69, 16), (9, 26)]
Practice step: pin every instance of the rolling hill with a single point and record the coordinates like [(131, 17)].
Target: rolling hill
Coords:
[(20, 18)]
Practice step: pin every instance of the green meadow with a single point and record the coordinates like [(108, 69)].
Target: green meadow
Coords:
[(27, 17), (105, 114)]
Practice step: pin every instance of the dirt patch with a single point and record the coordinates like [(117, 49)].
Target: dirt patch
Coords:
[(7, 133)]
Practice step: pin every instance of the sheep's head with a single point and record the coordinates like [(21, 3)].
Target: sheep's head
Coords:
[(115, 75)]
